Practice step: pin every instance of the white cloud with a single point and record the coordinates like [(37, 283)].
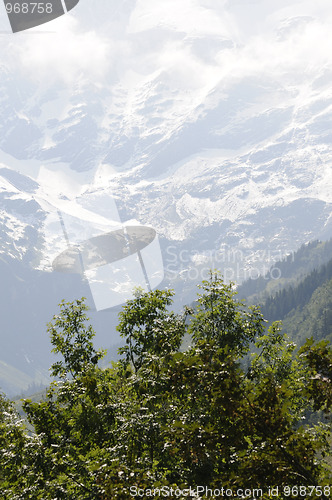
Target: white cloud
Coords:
[(189, 17), (67, 54), (289, 40), (298, 52), (182, 43), (148, 36)]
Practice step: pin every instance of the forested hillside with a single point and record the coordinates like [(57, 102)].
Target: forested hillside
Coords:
[(296, 297), (306, 308), (314, 319), (291, 270), (302, 298)]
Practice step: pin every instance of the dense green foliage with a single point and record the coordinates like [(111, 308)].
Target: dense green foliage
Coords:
[(305, 309), (292, 297), (302, 297), (162, 416), (314, 319)]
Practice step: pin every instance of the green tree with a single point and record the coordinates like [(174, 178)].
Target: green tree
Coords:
[(75, 423), (72, 338), (13, 442), (281, 449), (148, 327), (164, 416), (318, 360), (220, 318)]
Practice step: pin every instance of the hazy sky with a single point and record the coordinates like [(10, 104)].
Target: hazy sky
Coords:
[(187, 41)]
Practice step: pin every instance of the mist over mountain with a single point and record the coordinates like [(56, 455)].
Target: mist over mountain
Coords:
[(211, 124)]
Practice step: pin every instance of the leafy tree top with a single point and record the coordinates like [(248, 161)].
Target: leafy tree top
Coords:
[(221, 318), (72, 338)]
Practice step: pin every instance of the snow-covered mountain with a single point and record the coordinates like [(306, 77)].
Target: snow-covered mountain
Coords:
[(210, 124)]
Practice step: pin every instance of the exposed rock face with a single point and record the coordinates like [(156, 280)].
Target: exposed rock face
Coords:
[(206, 123)]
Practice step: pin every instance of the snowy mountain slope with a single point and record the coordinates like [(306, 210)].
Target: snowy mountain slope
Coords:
[(209, 123)]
